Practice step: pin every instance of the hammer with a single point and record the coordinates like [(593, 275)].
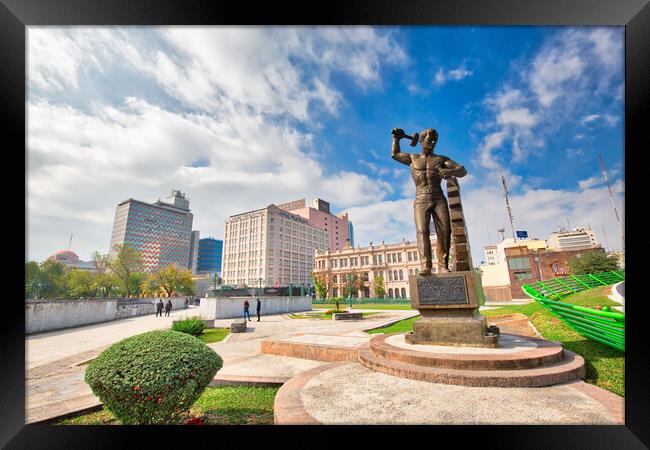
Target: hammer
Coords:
[(399, 134)]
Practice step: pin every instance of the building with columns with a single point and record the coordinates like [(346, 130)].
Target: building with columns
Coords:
[(394, 262), (270, 247)]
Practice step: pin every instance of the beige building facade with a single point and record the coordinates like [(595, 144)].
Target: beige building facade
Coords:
[(318, 215), (394, 262), (269, 247)]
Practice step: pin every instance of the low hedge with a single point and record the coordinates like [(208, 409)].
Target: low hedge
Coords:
[(193, 326), (153, 377)]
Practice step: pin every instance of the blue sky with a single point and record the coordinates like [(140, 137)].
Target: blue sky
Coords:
[(238, 118)]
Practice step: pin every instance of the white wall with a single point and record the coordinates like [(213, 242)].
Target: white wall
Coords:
[(223, 308), (46, 315)]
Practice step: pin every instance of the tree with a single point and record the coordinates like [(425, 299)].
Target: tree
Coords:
[(171, 279), (126, 261), (325, 280), (81, 284), (352, 286), (52, 280), (135, 282), (33, 280), (379, 289), (593, 262), (104, 284), (100, 261)]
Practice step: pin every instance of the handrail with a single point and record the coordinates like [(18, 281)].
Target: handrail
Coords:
[(606, 327)]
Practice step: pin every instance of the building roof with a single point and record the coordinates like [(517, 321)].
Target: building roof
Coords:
[(64, 255)]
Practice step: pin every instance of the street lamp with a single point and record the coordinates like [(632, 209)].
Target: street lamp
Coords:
[(350, 278), (259, 290), (290, 290)]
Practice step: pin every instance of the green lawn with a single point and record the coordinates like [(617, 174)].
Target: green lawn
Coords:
[(225, 405), (605, 365), (342, 305), (214, 334)]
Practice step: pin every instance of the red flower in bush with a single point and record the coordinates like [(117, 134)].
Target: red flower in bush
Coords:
[(158, 399), (195, 421), (149, 398)]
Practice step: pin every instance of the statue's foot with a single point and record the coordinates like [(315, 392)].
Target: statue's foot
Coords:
[(425, 272)]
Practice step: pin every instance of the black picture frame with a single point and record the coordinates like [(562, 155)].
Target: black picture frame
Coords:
[(634, 15)]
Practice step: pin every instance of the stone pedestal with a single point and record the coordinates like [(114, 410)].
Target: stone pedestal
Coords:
[(448, 304)]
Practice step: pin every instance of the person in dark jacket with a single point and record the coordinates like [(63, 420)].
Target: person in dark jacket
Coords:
[(258, 308), (168, 307), (246, 313), (159, 307)]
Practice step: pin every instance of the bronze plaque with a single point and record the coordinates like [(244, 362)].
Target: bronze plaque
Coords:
[(434, 290)]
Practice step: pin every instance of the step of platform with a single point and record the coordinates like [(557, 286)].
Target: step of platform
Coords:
[(515, 353), (572, 367)]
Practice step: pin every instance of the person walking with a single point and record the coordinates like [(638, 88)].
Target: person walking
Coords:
[(168, 308), (159, 308), (246, 313), (258, 308)]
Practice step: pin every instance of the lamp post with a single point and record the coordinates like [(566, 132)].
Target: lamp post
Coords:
[(259, 290), (290, 290), (350, 278)]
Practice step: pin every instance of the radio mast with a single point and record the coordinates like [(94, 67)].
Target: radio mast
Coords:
[(505, 191), (611, 196)]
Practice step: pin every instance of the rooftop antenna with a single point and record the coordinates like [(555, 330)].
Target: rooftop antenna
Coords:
[(502, 231), (600, 158), (505, 192), (568, 224), (70, 243), (488, 232)]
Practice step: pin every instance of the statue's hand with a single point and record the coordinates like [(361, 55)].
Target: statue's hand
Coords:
[(398, 133), (445, 173)]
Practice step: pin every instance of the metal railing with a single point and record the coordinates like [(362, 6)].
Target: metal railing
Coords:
[(604, 325)]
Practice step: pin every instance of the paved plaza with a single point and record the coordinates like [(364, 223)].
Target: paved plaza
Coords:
[(56, 361)]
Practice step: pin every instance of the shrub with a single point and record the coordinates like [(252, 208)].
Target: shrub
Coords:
[(193, 326), (154, 377)]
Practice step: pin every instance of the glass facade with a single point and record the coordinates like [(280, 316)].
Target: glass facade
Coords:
[(161, 234), (209, 259)]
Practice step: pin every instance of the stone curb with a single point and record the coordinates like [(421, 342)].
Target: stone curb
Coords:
[(545, 354), (391, 322), (288, 408), (614, 404), (572, 368), (247, 380), (315, 352)]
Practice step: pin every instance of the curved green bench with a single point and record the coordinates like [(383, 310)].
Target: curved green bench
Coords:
[(605, 326)]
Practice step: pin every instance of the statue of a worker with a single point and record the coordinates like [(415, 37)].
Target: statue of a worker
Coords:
[(428, 170)]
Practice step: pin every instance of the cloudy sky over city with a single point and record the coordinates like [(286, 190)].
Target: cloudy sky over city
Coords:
[(239, 118)]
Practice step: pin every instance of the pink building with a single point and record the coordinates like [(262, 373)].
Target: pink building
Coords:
[(318, 215)]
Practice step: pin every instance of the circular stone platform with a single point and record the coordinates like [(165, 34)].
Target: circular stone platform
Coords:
[(520, 362), (349, 393)]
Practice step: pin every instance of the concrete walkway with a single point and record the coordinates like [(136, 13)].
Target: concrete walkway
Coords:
[(56, 360)]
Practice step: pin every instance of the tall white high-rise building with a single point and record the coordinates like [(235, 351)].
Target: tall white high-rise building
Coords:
[(269, 247)]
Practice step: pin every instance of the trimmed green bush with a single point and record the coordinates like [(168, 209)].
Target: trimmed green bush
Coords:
[(193, 326), (154, 377)]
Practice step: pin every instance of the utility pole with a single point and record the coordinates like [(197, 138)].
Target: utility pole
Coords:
[(505, 191), (613, 203)]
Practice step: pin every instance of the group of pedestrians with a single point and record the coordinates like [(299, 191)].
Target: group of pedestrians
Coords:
[(160, 305), (248, 314)]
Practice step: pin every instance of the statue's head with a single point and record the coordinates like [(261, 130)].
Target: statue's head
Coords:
[(428, 139)]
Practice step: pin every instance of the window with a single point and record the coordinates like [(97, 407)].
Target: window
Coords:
[(403, 292), (390, 293), (397, 293), (524, 275), (399, 257), (519, 263), (390, 276), (401, 275)]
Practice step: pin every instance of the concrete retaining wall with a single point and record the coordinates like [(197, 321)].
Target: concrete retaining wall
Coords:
[(224, 308), (48, 315)]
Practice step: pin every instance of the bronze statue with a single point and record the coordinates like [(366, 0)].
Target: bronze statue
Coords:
[(427, 171)]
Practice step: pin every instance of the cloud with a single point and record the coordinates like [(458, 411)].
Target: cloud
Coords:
[(572, 72), (442, 76)]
